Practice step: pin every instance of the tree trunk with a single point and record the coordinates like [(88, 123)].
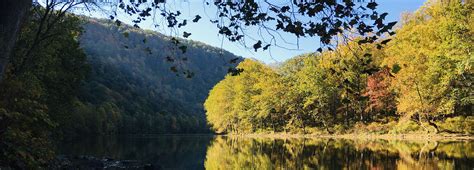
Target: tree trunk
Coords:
[(434, 125), (12, 15)]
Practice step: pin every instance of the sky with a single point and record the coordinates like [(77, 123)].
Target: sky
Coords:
[(206, 32)]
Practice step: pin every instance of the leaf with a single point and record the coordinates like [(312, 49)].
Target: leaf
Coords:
[(174, 41), (184, 23), (378, 46), (362, 41), (384, 42), (372, 5), (383, 15), (266, 47), (234, 60), (186, 34), (390, 25), (196, 18), (235, 71), (353, 22), (118, 23), (126, 34), (284, 9), (257, 45)]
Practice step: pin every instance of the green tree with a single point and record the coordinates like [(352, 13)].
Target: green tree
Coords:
[(38, 93), (219, 108), (246, 102), (434, 51)]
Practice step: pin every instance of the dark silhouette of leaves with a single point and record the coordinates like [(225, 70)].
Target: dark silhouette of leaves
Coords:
[(118, 23), (196, 18), (266, 47), (235, 71), (384, 42), (234, 60), (257, 45), (372, 5), (186, 34)]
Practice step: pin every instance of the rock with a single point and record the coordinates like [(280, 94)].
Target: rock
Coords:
[(91, 162)]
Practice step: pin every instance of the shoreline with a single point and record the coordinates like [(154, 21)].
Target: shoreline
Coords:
[(351, 136), (405, 137)]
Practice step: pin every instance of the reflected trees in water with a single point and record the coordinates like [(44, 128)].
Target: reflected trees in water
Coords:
[(265, 153)]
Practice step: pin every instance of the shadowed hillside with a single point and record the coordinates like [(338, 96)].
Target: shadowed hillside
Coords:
[(152, 85)]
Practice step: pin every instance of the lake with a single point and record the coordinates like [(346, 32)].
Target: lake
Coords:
[(222, 152)]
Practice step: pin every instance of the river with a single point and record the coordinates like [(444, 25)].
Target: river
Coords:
[(223, 152)]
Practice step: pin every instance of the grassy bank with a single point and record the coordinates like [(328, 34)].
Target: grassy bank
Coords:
[(410, 137), (457, 128)]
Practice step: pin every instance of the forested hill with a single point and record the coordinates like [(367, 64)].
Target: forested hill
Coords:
[(145, 83)]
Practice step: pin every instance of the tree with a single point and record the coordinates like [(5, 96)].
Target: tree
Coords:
[(12, 16), (341, 79), (218, 106), (314, 90), (38, 93), (317, 92), (330, 85), (16, 14), (431, 52), (381, 96), (269, 102), (246, 102)]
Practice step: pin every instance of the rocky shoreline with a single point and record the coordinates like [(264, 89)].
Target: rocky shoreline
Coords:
[(91, 162)]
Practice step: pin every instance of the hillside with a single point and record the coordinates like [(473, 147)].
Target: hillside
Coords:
[(147, 83)]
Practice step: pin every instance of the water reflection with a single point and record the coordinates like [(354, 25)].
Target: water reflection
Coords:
[(210, 152), (163, 151), (247, 153)]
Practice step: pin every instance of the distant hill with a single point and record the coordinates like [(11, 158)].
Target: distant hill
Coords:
[(147, 83)]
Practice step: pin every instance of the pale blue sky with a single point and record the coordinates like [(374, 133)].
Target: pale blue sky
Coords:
[(206, 32)]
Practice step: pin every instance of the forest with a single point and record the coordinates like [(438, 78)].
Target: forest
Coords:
[(417, 81), (64, 77), (141, 83), (95, 78)]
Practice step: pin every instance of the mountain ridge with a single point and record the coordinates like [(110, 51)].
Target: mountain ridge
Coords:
[(148, 80)]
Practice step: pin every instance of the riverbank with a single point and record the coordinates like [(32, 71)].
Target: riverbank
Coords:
[(91, 162), (409, 137)]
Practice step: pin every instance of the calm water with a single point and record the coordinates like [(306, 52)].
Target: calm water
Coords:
[(218, 152)]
